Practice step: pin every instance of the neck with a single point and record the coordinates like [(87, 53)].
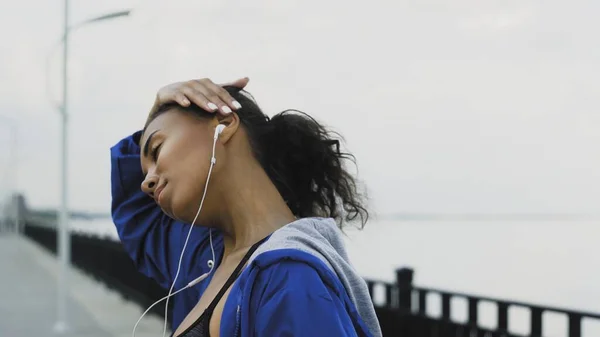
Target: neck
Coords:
[(254, 209)]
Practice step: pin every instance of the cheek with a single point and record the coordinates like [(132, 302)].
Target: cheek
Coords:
[(181, 157), (186, 171), (186, 198)]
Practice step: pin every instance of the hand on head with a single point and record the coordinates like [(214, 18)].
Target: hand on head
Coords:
[(203, 92)]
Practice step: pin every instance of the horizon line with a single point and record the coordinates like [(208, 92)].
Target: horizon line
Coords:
[(487, 216)]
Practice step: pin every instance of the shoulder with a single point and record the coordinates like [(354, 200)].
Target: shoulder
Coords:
[(294, 293), (295, 271)]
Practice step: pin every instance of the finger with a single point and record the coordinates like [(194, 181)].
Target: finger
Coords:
[(163, 97), (198, 98), (210, 91), (239, 83), (226, 97), (222, 94), (181, 99)]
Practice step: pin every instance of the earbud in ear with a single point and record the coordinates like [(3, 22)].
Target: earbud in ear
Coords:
[(219, 129)]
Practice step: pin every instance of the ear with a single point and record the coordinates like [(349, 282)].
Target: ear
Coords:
[(232, 124)]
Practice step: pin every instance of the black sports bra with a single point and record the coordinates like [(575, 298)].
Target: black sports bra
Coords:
[(200, 328)]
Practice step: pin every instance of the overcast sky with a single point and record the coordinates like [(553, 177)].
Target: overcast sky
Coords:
[(449, 106)]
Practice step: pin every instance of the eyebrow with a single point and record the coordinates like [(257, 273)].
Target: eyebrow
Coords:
[(147, 145)]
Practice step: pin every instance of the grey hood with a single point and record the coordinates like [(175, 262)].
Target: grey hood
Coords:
[(322, 238)]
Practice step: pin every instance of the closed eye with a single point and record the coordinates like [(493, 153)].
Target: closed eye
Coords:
[(155, 151)]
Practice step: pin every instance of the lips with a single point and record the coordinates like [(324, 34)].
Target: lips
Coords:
[(158, 192)]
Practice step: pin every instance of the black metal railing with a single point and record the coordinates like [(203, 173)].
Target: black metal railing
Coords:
[(107, 262), (401, 312)]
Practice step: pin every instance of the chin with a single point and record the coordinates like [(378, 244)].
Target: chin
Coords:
[(178, 214), (185, 215), (170, 214), (185, 210)]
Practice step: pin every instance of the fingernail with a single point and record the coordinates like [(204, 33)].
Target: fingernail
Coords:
[(186, 102), (226, 109), (237, 104), (212, 106)]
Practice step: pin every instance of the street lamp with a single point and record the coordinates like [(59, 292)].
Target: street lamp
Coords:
[(64, 244)]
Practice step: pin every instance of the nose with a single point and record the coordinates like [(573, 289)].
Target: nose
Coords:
[(149, 184)]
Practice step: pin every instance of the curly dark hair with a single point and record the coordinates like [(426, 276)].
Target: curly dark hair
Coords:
[(302, 158)]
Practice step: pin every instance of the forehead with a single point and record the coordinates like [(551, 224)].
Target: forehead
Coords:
[(166, 121)]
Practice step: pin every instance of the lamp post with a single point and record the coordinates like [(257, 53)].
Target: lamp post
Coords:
[(64, 244)]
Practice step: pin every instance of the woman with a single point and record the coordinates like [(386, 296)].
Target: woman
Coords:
[(278, 192)]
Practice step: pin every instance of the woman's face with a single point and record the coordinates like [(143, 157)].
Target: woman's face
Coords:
[(175, 156)]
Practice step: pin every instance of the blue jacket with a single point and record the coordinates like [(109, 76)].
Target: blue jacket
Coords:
[(286, 290)]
